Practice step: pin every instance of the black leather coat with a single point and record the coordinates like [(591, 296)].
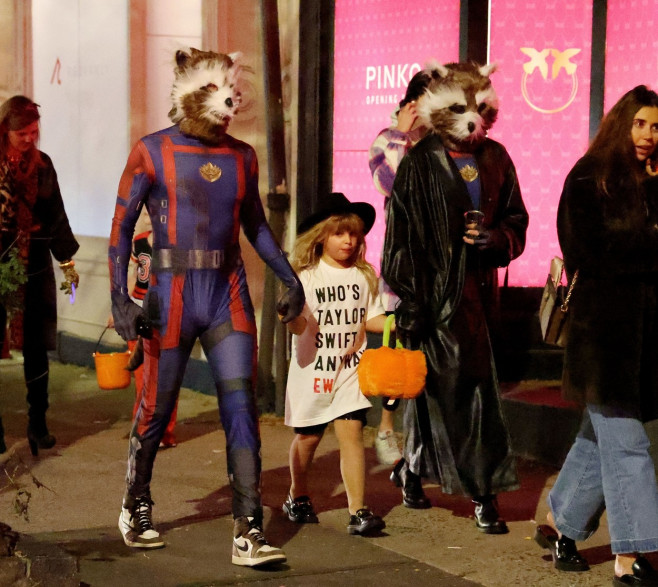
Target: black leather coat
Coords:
[(454, 431)]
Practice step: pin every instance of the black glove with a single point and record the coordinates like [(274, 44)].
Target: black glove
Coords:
[(410, 339), (482, 240), (136, 356), (492, 239), (126, 314), (409, 325), (144, 327), (291, 303)]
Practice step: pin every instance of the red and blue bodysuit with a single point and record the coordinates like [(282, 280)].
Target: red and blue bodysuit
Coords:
[(197, 196)]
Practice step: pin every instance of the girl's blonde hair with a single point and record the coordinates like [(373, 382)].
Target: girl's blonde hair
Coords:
[(308, 247)]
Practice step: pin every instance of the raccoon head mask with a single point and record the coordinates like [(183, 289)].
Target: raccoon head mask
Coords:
[(460, 104), (205, 95)]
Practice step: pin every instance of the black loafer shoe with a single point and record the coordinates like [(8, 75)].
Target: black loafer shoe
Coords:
[(413, 495), (643, 575), (487, 518), (563, 550), (365, 522), (300, 510)]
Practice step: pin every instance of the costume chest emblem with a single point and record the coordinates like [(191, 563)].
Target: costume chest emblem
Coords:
[(469, 173), (210, 172)]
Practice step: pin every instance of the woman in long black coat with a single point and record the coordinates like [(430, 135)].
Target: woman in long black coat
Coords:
[(33, 222), (608, 232)]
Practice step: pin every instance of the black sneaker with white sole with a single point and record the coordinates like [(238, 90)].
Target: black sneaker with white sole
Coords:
[(300, 510), (136, 525), (365, 522), (250, 549)]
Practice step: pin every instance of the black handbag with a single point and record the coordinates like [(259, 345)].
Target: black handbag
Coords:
[(554, 307)]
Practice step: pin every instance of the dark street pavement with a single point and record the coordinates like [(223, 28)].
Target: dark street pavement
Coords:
[(71, 497)]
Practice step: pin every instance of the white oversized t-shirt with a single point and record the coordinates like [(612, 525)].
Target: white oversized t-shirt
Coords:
[(322, 381)]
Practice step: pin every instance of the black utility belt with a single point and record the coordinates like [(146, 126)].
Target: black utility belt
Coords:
[(183, 259)]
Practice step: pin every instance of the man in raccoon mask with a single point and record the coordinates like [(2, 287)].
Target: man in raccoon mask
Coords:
[(445, 272), (199, 186)]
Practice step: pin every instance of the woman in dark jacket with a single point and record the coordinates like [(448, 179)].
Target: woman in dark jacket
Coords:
[(34, 224), (608, 232)]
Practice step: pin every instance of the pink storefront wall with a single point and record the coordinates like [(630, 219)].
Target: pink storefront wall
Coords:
[(543, 51)]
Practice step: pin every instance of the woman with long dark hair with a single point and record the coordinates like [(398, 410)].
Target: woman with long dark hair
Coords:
[(608, 231), (33, 224)]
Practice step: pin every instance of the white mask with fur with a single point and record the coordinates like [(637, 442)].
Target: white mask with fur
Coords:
[(205, 94), (460, 104)]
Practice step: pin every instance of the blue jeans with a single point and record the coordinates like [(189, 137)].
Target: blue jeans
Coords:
[(608, 467)]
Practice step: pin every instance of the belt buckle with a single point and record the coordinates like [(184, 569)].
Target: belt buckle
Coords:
[(217, 259), (196, 259)]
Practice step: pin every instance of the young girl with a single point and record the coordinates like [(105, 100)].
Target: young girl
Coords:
[(329, 338)]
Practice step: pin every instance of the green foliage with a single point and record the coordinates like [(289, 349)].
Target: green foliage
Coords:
[(12, 276)]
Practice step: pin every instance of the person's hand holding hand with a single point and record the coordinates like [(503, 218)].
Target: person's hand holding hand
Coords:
[(291, 302)]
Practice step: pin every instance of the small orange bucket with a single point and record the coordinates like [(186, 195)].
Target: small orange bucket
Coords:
[(394, 373), (111, 372)]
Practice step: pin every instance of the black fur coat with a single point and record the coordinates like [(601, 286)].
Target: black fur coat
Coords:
[(612, 351), (454, 431)]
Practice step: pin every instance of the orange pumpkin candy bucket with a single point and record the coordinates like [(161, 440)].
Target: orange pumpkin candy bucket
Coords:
[(111, 372), (395, 373)]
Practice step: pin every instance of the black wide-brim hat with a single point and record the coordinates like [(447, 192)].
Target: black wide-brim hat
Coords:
[(336, 204)]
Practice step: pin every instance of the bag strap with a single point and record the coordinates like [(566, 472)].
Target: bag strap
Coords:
[(565, 305), (387, 329)]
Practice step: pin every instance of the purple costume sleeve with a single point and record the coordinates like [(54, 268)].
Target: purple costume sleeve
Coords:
[(386, 152)]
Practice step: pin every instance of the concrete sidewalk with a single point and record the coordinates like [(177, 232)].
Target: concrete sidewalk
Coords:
[(69, 531)]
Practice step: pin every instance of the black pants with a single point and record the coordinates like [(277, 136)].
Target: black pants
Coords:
[(35, 369)]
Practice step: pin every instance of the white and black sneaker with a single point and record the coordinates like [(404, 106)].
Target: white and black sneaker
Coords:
[(386, 447), (250, 549), (136, 526)]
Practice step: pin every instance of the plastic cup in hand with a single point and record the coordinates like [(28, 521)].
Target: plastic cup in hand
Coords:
[(474, 219)]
